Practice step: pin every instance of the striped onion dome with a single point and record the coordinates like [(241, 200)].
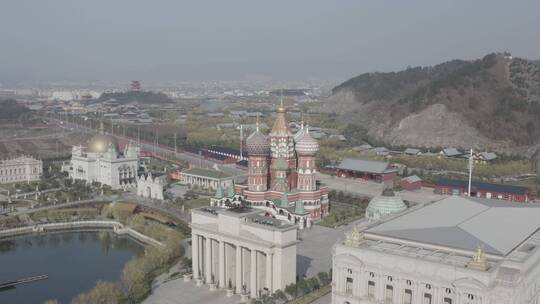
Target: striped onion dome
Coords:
[(307, 145)]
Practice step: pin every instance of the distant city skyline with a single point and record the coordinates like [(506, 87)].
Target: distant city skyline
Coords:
[(234, 40)]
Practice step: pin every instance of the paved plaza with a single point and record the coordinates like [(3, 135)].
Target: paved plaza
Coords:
[(180, 292), (315, 250)]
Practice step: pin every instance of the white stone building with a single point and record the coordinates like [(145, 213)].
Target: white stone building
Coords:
[(151, 186), (206, 178), (242, 250), (20, 169), (101, 162), (454, 251)]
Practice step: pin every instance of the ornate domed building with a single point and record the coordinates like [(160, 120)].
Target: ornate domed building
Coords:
[(283, 165), (100, 161), (384, 204)]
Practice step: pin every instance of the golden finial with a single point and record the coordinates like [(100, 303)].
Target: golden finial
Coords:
[(355, 238), (479, 260), (257, 124), (101, 128), (281, 108)]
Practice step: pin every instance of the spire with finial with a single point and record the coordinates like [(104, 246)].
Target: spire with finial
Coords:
[(257, 123), (281, 108), (101, 127)]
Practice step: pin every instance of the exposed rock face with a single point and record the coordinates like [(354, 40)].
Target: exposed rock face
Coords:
[(491, 103)]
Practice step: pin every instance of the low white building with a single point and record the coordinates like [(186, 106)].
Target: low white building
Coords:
[(454, 251), (206, 178), (241, 250), (20, 169), (151, 186)]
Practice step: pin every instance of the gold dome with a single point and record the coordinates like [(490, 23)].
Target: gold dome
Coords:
[(100, 143)]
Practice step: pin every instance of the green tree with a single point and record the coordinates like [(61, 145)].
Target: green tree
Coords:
[(323, 278), (291, 290), (103, 292), (135, 280)]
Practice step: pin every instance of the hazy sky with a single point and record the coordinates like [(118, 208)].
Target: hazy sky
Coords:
[(228, 39)]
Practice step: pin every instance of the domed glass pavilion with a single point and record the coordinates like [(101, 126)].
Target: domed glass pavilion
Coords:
[(385, 204)]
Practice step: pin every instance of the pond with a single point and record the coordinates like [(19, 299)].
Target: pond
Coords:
[(74, 262)]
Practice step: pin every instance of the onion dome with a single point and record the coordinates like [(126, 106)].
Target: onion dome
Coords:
[(307, 145), (384, 204), (257, 144), (281, 164), (299, 134)]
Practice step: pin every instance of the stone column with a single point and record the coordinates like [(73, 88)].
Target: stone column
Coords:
[(269, 272), (195, 255), (337, 278), (221, 265), (208, 260), (238, 269), (253, 275), (417, 293)]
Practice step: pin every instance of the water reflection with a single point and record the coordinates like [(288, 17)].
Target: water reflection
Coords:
[(74, 262)]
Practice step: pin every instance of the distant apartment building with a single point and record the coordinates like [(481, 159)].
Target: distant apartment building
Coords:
[(20, 169)]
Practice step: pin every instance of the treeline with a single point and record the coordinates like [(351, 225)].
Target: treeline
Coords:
[(11, 109), (145, 97)]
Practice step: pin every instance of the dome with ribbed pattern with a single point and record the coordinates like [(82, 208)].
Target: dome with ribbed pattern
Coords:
[(307, 145), (257, 144)]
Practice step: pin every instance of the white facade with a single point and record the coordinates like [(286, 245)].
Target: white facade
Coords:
[(206, 178), (454, 251), (150, 186), (242, 251), (20, 169), (105, 165)]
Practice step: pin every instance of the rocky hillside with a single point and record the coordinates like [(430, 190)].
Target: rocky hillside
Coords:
[(489, 103)]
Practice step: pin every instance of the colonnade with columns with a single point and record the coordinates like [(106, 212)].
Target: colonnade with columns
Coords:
[(229, 264)]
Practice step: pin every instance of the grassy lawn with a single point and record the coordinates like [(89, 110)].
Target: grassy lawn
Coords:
[(342, 214), (200, 201)]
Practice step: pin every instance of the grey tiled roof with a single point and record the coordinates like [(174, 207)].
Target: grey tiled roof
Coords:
[(369, 166), (463, 223)]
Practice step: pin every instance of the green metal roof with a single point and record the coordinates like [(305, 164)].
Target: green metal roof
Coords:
[(206, 173)]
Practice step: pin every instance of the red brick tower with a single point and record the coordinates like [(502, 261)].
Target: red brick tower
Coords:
[(306, 148), (258, 149)]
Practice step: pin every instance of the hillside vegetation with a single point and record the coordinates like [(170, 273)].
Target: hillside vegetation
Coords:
[(11, 109), (489, 103)]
